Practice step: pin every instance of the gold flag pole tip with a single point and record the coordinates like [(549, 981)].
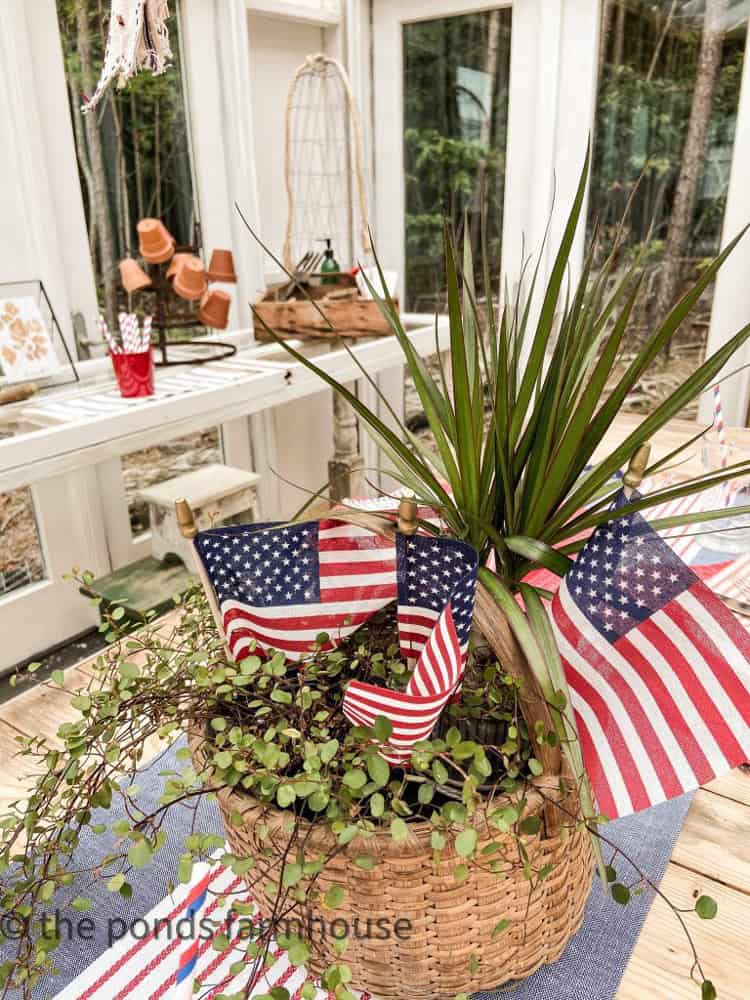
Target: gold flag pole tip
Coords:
[(185, 519), (637, 468), (408, 520)]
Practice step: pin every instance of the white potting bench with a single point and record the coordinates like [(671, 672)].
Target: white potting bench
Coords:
[(276, 419)]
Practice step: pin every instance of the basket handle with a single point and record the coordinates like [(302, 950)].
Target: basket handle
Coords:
[(406, 524)]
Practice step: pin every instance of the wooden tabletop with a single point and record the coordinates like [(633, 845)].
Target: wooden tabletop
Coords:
[(712, 854)]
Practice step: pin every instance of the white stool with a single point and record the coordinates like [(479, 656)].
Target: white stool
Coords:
[(215, 493)]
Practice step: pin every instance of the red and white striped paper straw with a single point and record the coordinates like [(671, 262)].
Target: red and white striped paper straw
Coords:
[(104, 333), (721, 429), (131, 337), (146, 333)]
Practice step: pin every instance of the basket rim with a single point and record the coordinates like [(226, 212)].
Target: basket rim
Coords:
[(380, 840)]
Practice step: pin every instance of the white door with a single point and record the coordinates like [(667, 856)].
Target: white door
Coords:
[(478, 105), (48, 530)]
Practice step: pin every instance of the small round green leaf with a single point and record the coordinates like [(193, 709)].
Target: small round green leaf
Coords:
[(466, 842), (706, 908), (378, 769), (620, 893)]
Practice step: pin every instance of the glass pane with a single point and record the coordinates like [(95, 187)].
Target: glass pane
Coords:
[(456, 72), (669, 83), (133, 151), (21, 558), (165, 461)]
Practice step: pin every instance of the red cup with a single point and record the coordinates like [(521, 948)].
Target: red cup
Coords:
[(134, 373)]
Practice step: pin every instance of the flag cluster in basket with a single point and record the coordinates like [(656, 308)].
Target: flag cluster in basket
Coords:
[(279, 587), (658, 668)]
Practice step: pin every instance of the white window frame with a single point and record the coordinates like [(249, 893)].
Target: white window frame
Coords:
[(550, 116)]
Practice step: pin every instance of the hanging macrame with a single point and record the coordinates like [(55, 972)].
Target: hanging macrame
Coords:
[(138, 39), (323, 163)]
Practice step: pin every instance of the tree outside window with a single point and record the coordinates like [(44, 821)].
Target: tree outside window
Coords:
[(133, 149)]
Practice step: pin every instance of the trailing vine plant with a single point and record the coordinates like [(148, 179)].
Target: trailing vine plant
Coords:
[(276, 734)]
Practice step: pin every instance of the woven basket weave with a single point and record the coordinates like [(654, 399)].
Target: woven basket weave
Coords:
[(447, 921), (447, 925)]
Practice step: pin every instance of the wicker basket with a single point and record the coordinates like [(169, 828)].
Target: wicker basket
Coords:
[(443, 922), (447, 926)]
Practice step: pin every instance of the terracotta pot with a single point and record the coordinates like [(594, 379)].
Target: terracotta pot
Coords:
[(214, 310), (132, 275), (190, 280), (221, 267), (175, 264), (154, 241)]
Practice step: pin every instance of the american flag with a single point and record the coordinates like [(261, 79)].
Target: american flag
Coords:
[(436, 587), (657, 667), (282, 587)]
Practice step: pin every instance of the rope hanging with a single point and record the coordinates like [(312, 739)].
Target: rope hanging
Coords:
[(322, 160), (138, 39)]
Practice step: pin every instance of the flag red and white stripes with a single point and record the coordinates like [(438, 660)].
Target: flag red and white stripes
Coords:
[(144, 965), (296, 587), (657, 668)]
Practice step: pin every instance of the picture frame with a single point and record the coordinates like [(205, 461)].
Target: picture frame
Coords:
[(32, 345)]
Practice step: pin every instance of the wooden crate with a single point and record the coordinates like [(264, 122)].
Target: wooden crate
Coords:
[(350, 316)]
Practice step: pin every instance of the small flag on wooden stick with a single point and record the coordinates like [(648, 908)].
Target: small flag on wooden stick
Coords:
[(658, 668)]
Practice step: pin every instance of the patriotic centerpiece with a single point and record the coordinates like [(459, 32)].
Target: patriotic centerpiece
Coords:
[(310, 672), (301, 587)]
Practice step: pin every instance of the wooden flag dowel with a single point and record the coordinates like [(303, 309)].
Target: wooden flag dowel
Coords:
[(189, 530), (408, 517), (636, 469)]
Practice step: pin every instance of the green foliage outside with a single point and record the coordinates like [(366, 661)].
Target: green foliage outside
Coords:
[(646, 86), (454, 152), (133, 149)]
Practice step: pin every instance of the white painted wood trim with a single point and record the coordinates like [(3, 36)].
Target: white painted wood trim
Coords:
[(731, 305), (111, 488), (368, 449), (53, 450), (37, 134), (218, 81), (71, 533), (265, 458), (324, 15)]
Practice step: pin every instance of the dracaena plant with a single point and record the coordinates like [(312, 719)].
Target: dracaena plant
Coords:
[(518, 417), (524, 408)]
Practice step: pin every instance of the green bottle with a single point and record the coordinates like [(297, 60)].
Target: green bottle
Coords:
[(329, 268)]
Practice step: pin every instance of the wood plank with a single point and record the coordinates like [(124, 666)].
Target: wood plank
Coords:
[(43, 709), (715, 841), (16, 775), (735, 785), (660, 965), (677, 432)]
